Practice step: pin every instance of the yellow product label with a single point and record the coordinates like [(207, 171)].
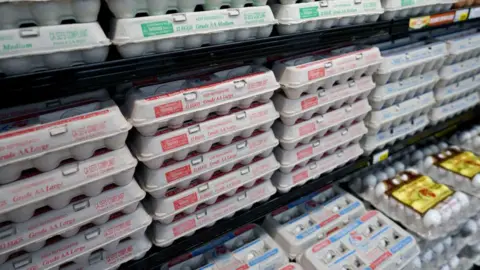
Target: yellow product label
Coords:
[(421, 194), (464, 163)]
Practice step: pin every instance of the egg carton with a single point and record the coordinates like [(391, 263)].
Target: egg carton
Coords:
[(291, 266), (131, 249), (56, 188), (50, 47), (395, 9), (463, 3), (53, 12), (404, 61), (186, 200), (43, 140), (461, 46), (304, 131), (164, 33), (454, 108), (316, 149), (457, 90), (309, 73), (459, 71), (171, 104), (381, 120), (322, 101), (301, 175), (247, 247), (78, 248), (372, 241), (185, 225), (32, 235), (302, 223), (393, 93), (202, 166), (310, 15), (192, 136), (388, 137)]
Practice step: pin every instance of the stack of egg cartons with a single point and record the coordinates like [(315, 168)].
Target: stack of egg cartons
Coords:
[(457, 89), (179, 24), (49, 44), (322, 107), (66, 183), (400, 9), (205, 147), (403, 96), (300, 16)]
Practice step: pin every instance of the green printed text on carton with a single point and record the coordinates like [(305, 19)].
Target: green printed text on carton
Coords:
[(157, 28), (254, 17), (15, 47), (370, 5), (408, 3), (69, 37), (309, 12)]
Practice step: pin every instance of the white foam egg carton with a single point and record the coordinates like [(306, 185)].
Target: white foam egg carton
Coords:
[(372, 241), (179, 200), (163, 33), (381, 120), (207, 215), (78, 248), (388, 137), (322, 101), (309, 73), (20, 199), (49, 47), (202, 166), (43, 140), (177, 143), (396, 9), (304, 131), (404, 61), (301, 175), (387, 95), (32, 235), (454, 108), (458, 72), (52, 12), (171, 104), (247, 247), (130, 249), (317, 148), (302, 223), (310, 15), (129, 9), (457, 90), (461, 46)]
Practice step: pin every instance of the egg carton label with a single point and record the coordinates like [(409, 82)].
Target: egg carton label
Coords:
[(402, 129), (463, 163)]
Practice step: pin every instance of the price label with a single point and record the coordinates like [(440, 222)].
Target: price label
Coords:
[(461, 15), (381, 156)]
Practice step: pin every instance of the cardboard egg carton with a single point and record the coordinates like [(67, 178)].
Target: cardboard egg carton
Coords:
[(50, 47), (164, 33), (454, 108), (33, 234), (322, 69), (458, 72), (322, 101), (179, 200), (185, 225), (43, 139), (457, 90), (461, 46), (291, 266), (301, 175), (78, 249), (316, 149), (405, 58), (304, 131), (56, 188), (192, 136), (372, 241), (170, 104), (396, 9), (302, 223), (392, 93), (51, 12), (388, 137), (381, 120), (249, 246), (303, 16), (203, 166)]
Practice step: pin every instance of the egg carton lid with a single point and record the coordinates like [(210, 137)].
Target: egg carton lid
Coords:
[(442, 112), (393, 5), (144, 29), (452, 71), (459, 88), (51, 39)]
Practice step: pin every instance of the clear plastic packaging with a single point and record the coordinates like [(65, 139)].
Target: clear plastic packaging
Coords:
[(457, 90), (454, 108), (468, 139)]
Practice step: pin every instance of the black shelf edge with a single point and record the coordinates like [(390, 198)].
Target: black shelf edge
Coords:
[(156, 256)]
